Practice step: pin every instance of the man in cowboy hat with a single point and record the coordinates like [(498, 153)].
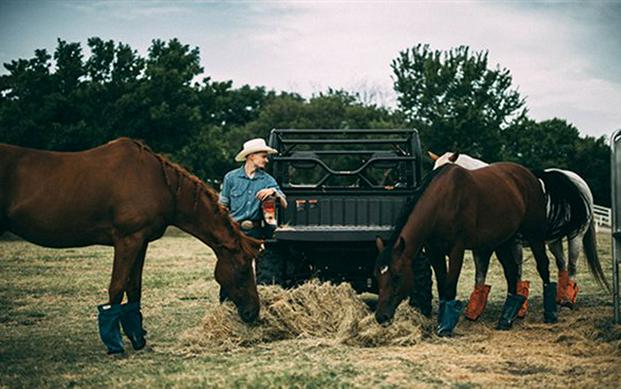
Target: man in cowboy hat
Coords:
[(244, 188)]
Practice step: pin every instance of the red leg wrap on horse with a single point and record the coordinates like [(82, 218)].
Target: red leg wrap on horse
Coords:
[(522, 290), (563, 282), (477, 302), (572, 294)]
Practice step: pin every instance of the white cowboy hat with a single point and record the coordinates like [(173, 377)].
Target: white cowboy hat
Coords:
[(255, 145)]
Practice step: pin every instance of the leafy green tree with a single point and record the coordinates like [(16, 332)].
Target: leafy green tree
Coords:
[(591, 160), (550, 143), (22, 99), (206, 154), (165, 103), (333, 109), (455, 100), (221, 105)]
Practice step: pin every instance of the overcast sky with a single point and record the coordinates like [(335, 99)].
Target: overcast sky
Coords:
[(564, 56)]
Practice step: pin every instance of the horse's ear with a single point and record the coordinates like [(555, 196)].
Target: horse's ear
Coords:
[(379, 242), (454, 156), (432, 155), (400, 246)]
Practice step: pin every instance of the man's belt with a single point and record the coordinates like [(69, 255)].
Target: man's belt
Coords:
[(250, 224)]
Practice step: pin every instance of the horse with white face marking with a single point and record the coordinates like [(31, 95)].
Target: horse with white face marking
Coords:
[(456, 209), (569, 215)]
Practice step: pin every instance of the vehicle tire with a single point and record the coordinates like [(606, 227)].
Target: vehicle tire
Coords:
[(271, 266)]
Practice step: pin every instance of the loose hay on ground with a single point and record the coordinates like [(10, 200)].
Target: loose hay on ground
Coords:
[(314, 310)]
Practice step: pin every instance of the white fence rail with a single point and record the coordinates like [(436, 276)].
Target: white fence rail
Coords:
[(603, 216)]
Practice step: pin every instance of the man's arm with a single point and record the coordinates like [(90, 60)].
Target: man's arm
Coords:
[(263, 194), (273, 189)]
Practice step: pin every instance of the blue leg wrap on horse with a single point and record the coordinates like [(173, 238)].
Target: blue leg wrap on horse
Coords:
[(131, 321), (448, 316), (512, 306), (550, 314), (109, 331)]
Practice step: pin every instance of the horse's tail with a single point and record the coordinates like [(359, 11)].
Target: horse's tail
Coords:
[(589, 242), (568, 207)]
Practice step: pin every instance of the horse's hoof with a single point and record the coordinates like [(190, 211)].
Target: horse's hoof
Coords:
[(503, 326), (567, 304), (117, 354), (139, 345), (550, 319), (444, 332)]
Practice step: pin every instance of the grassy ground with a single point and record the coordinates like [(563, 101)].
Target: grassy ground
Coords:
[(48, 332)]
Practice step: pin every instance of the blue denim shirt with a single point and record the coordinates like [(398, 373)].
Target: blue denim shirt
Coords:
[(238, 193)]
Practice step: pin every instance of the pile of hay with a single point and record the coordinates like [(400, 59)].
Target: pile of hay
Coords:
[(312, 311)]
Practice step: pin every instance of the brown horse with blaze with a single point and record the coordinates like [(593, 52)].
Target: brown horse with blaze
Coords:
[(123, 195), (456, 209)]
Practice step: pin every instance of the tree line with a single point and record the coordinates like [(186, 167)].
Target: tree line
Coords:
[(67, 101)]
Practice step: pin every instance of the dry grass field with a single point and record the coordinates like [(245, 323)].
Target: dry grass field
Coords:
[(48, 332)]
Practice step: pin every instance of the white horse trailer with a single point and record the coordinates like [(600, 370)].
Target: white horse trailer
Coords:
[(615, 168)]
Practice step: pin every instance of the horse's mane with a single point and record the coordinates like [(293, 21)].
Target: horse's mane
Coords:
[(411, 202), (200, 187), (408, 207)]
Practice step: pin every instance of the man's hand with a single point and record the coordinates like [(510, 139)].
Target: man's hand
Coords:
[(265, 193)]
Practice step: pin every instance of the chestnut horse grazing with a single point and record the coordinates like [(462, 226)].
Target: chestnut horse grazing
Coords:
[(570, 214), (123, 195), (457, 209)]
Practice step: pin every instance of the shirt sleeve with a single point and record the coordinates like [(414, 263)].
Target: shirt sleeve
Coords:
[(271, 183), (225, 191)]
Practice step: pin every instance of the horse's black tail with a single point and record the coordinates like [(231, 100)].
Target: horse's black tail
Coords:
[(589, 242), (568, 209)]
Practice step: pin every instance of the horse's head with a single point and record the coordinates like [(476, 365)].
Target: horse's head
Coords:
[(447, 157), (395, 278), (236, 274)]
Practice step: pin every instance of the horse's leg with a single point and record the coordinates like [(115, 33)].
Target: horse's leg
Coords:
[(421, 295), (451, 309), (538, 248), (541, 258), (126, 250), (571, 290), (478, 297), (575, 247), (509, 266), (556, 248), (514, 301), (456, 259), (131, 318), (481, 265), (134, 289), (438, 262), (517, 253)]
